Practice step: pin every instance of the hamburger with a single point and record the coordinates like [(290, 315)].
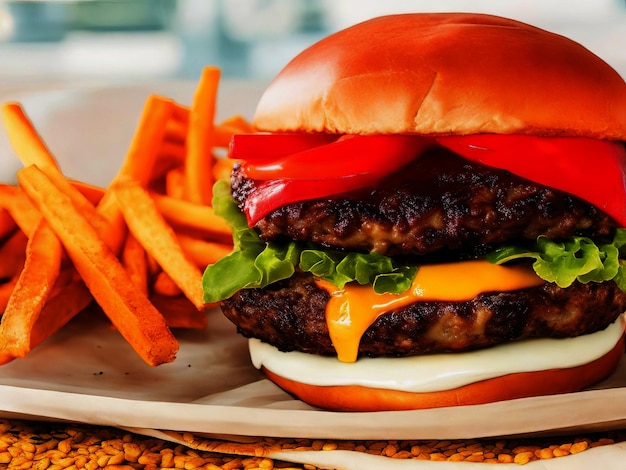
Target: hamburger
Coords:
[(430, 213)]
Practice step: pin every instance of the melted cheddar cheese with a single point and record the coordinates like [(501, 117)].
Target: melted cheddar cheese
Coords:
[(354, 308)]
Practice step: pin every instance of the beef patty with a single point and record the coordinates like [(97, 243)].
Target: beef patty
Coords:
[(439, 202), (291, 316)]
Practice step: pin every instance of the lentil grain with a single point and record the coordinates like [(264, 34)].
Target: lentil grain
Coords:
[(71, 447), (523, 458), (544, 453), (578, 447), (558, 452)]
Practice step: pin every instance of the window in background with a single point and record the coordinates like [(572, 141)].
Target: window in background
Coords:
[(147, 40)]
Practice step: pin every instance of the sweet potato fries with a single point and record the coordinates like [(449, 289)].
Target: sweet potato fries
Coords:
[(136, 248)]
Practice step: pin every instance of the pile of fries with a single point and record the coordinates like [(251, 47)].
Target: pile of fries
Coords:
[(137, 247)]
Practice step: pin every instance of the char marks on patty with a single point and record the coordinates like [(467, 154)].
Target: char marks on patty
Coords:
[(439, 202), (291, 316)]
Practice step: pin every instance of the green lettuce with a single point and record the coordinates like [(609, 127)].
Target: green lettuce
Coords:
[(574, 259), (341, 268), (254, 263)]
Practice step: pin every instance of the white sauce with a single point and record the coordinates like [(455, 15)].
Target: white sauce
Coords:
[(439, 371)]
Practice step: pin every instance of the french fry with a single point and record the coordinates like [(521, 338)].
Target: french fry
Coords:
[(6, 192), (152, 266), (64, 304), (147, 140), (29, 147), (175, 183), (135, 263), (180, 113), (158, 239), (24, 212), (170, 157), (128, 309), (179, 312), (200, 139), (81, 202), (92, 193), (176, 130), (26, 215), (222, 168), (165, 285), (203, 252), (238, 124), (137, 247), (6, 288), (184, 214), (7, 224), (222, 136), (13, 255), (34, 284), (234, 125), (138, 163), (31, 150)]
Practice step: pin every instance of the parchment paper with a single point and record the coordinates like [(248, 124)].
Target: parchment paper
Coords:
[(88, 374)]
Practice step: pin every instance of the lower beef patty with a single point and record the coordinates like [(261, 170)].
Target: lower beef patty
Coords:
[(291, 316), (440, 201)]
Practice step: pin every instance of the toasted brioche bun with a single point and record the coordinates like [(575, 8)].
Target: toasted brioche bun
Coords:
[(440, 74), (508, 387)]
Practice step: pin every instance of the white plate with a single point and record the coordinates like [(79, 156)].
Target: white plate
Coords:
[(87, 373)]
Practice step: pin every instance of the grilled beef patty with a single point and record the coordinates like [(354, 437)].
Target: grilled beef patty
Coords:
[(291, 316), (440, 207), (439, 202)]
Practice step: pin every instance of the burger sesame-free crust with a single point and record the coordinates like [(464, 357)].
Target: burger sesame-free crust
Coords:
[(438, 202), (290, 315), (448, 73)]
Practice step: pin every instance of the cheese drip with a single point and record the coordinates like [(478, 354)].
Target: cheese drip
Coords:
[(351, 310)]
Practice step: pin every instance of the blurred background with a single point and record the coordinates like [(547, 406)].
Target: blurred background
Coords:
[(122, 41), (83, 68)]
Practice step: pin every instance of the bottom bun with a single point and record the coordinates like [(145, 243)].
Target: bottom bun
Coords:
[(508, 387)]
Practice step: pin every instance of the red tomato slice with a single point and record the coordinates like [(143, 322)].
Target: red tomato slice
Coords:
[(269, 147), (271, 194), (593, 170), (349, 155), (295, 167), (350, 163)]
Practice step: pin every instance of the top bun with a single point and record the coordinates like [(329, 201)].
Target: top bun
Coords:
[(446, 73)]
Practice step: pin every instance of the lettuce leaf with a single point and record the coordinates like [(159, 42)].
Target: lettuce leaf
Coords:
[(372, 268), (254, 263), (574, 259)]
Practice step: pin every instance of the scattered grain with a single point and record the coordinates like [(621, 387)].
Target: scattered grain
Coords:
[(578, 447), (45, 446), (523, 458)]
